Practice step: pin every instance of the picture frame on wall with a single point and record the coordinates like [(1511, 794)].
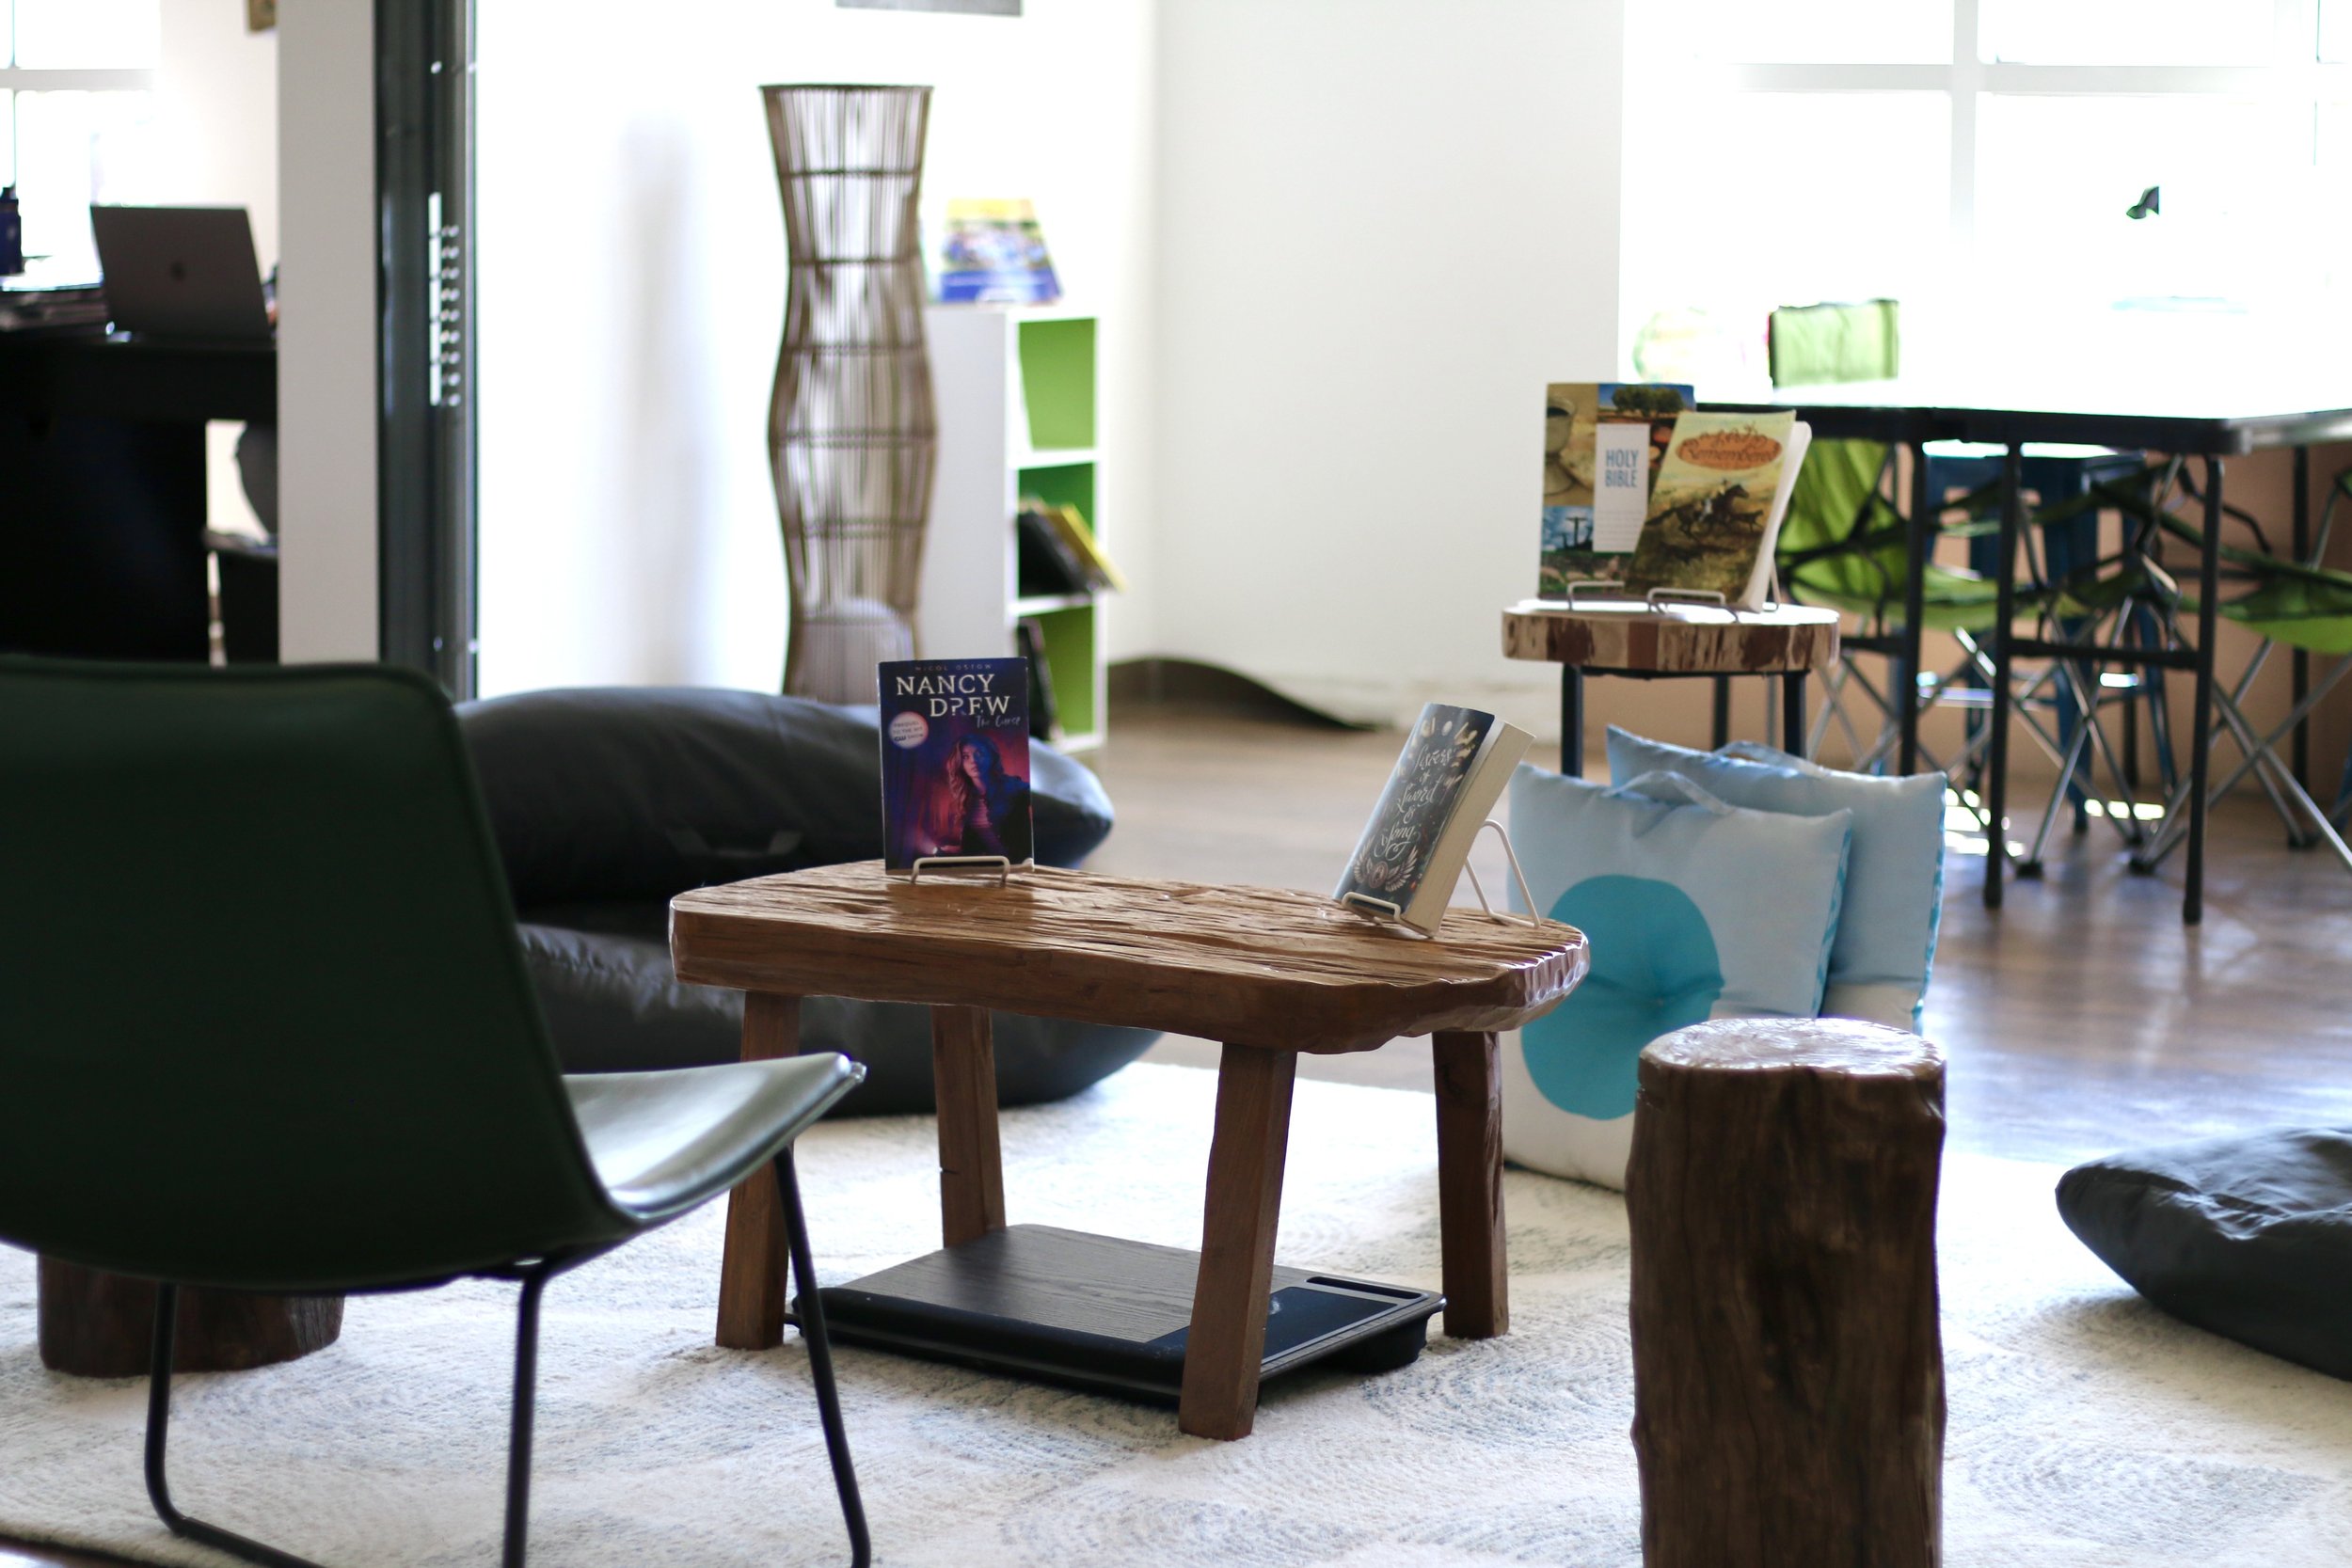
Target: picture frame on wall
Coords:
[(259, 15)]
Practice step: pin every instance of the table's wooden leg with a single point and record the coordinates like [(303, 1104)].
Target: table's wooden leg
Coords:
[(971, 1165), (751, 1277), (1227, 1343), (1470, 1185)]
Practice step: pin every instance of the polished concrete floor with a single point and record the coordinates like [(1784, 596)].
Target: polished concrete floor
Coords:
[(2081, 1018)]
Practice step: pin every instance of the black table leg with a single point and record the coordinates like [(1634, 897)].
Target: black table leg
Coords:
[(1918, 537), (1721, 729), (2200, 736), (1571, 720), (1793, 712), (2300, 660), (1997, 761)]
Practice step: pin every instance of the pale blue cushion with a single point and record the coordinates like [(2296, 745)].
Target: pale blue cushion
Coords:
[(1695, 909), (1885, 945)]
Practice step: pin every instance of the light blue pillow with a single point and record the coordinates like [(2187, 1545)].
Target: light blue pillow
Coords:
[(1695, 909), (1894, 886)]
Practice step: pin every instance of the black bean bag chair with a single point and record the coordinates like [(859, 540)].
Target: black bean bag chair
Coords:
[(606, 803), (2249, 1236)]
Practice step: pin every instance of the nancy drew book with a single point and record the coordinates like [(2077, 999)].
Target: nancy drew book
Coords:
[(955, 759), (1716, 510), (1601, 443), (1448, 777)]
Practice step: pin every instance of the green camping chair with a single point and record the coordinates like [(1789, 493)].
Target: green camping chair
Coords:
[(269, 1028), (2297, 605)]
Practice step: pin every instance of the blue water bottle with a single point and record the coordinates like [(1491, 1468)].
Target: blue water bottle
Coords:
[(11, 234)]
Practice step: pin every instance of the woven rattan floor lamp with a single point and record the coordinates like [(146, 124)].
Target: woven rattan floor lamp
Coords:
[(851, 434)]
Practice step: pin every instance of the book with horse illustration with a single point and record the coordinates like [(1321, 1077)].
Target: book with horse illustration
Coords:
[(1716, 509)]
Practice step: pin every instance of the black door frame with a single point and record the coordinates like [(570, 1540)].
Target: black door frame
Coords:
[(427, 435)]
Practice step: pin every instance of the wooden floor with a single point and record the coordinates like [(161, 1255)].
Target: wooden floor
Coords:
[(2080, 1019)]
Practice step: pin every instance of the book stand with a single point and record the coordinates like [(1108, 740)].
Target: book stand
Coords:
[(1001, 865), (1381, 912)]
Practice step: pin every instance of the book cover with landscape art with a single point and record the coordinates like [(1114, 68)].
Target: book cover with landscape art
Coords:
[(1716, 507), (955, 759), (1448, 777), (1601, 440)]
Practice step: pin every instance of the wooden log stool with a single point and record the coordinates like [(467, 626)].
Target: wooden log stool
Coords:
[(1788, 1367), (99, 1325)]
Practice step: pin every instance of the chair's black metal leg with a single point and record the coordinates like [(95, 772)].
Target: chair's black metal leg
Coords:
[(158, 1427), (1924, 509), (811, 1313), (2200, 733), (518, 1431), (2300, 661), (1996, 759), (1571, 721)]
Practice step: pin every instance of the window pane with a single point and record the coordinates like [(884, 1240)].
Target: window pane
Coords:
[(2126, 32), (88, 35), (2055, 176), (1709, 229), (1820, 32), (74, 149), (2335, 31)]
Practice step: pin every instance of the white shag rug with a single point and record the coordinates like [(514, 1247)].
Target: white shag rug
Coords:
[(2087, 1427)]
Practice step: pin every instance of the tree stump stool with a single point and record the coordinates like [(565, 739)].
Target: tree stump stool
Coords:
[(99, 1325), (1787, 1365)]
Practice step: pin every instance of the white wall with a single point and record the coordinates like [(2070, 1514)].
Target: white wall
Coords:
[(216, 131), (631, 287), (326, 382), (1384, 225)]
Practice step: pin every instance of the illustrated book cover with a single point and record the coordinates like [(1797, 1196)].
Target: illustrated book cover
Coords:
[(1716, 510), (1601, 443), (1448, 777), (994, 253), (955, 759)]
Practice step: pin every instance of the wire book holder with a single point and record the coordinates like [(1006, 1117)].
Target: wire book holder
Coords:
[(852, 434), (1381, 912), (1001, 865)]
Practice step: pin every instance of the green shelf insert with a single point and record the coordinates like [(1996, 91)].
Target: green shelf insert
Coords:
[(1057, 382), (1062, 484), (1070, 655)]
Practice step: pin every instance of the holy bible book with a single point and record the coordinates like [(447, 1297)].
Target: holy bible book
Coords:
[(1450, 775)]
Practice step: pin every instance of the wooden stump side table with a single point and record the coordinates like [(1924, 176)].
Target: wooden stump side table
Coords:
[(1271, 974), (1631, 639)]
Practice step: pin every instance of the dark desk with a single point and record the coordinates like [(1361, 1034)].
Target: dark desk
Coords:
[(102, 488), (2196, 411)]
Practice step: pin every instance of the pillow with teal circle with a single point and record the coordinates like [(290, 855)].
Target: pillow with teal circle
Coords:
[(1695, 908), (1885, 946)]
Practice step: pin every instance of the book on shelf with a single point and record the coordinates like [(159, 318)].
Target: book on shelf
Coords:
[(1045, 713), (1447, 779), (955, 759), (1601, 443), (994, 253), (1044, 565), (1716, 509), (1073, 546)]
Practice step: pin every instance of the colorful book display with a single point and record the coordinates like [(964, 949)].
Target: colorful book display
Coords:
[(1450, 775), (1601, 443), (1716, 509), (955, 760), (994, 254)]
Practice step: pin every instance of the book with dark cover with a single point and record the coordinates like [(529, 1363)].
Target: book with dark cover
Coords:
[(1044, 565), (1447, 779), (955, 759), (1045, 712)]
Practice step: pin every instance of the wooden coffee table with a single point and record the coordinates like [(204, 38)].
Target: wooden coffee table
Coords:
[(1269, 972)]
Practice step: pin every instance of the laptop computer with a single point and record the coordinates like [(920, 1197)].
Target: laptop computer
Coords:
[(181, 272)]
